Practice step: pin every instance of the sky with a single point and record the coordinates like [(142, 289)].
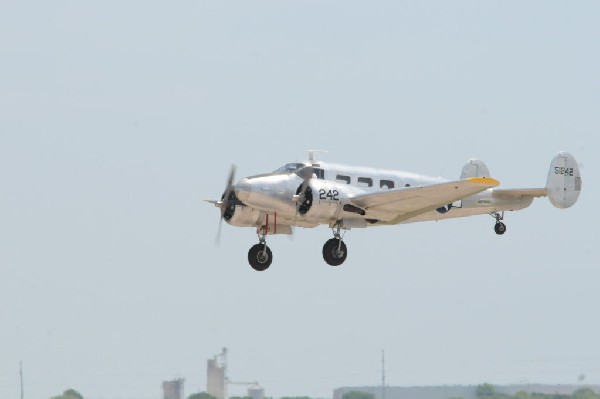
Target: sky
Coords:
[(117, 119)]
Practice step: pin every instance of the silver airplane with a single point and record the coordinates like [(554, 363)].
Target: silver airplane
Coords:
[(312, 193)]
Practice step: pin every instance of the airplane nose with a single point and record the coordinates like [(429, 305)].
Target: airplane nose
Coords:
[(243, 188)]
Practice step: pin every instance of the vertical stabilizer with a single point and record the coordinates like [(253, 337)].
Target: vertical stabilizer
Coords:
[(564, 181), (474, 168)]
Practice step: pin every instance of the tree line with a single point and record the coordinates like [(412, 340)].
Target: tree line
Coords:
[(483, 391), (488, 391)]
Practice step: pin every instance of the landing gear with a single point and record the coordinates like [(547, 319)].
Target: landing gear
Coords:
[(499, 227), (260, 255), (334, 250)]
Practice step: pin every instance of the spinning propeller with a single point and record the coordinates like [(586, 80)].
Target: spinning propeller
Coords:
[(304, 192), (227, 203)]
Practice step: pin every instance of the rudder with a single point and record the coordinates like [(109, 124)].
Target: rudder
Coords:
[(564, 181)]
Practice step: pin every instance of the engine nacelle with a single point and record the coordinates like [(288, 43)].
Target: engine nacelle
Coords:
[(324, 199), (245, 216)]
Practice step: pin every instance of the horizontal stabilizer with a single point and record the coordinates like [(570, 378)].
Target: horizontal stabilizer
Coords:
[(520, 193)]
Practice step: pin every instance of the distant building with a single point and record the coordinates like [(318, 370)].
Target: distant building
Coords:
[(217, 380), (216, 375), (458, 391), (173, 389)]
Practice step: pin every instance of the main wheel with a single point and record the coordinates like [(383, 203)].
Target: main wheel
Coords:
[(334, 253), (500, 228), (260, 257)]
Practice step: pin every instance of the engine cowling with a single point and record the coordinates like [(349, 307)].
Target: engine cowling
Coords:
[(245, 216), (323, 199)]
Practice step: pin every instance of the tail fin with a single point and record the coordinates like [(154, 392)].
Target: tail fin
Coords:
[(474, 168), (564, 181)]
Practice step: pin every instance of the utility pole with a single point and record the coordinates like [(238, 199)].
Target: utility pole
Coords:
[(382, 374), (21, 375)]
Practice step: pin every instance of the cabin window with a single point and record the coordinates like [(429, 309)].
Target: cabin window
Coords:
[(365, 182), (343, 179), (387, 184)]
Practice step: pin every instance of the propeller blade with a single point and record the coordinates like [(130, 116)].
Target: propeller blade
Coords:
[(218, 237), (231, 175), (307, 175), (225, 201), (228, 189), (308, 172)]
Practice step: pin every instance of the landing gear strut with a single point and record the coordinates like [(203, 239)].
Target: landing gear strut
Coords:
[(499, 227), (260, 255), (334, 250)]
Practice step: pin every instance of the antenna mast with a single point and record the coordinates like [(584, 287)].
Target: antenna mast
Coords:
[(21, 375), (225, 376), (311, 154), (382, 374)]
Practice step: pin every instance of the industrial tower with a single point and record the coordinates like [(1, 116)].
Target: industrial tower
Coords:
[(216, 375), (217, 380)]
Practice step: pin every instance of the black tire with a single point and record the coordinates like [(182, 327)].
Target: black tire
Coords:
[(500, 228), (331, 254), (259, 259)]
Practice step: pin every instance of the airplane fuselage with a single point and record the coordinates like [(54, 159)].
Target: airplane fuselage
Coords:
[(333, 186)]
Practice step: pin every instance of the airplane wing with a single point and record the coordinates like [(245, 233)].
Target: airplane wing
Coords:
[(417, 200), (520, 193)]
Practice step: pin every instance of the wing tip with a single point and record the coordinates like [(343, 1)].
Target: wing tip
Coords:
[(485, 181)]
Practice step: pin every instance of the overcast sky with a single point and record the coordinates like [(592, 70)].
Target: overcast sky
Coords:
[(118, 118)]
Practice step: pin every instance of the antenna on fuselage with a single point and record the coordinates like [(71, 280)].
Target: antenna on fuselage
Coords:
[(311, 154)]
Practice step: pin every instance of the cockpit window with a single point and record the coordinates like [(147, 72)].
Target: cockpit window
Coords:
[(289, 168), (303, 172)]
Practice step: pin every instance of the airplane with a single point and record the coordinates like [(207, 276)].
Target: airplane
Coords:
[(312, 193)]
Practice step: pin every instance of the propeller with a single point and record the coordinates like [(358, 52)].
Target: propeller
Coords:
[(308, 172), (224, 203), (303, 189)]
